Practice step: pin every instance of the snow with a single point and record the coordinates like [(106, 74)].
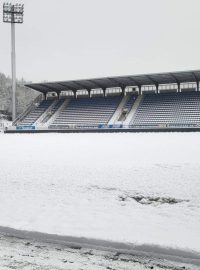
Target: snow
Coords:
[(139, 188), (17, 253), (4, 123)]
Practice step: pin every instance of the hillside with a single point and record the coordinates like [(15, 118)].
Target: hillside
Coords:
[(24, 95)]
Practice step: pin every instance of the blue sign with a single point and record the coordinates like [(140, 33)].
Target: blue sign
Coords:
[(25, 127)]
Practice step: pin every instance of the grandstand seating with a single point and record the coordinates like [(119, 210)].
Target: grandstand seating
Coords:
[(36, 112), (168, 109), (87, 112), (155, 110), (54, 108)]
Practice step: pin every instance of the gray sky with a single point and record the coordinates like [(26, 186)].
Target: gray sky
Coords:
[(74, 39)]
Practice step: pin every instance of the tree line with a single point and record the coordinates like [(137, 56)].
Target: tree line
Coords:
[(24, 95)]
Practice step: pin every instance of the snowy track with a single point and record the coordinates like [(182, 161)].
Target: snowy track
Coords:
[(17, 253), (143, 251)]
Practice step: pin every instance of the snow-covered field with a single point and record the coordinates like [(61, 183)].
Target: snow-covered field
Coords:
[(21, 254), (132, 188)]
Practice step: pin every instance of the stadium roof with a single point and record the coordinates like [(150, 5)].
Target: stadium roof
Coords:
[(120, 81)]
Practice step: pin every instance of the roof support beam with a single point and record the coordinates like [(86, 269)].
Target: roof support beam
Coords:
[(140, 89), (177, 81), (198, 86), (35, 88), (121, 85), (67, 88), (81, 86), (51, 89), (196, 79), (98, 85), (154, 82), (104, 92), (136, 83)]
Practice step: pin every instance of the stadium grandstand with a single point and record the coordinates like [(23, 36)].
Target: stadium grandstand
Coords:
[(149, 102)]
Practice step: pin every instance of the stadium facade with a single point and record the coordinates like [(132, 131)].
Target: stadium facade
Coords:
[(148, 102)]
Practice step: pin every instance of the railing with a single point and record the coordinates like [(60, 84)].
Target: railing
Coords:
[(29, 108)]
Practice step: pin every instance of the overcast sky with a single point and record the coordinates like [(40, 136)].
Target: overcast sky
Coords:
[(74, 39)]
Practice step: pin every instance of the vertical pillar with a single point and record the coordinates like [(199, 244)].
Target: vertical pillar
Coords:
[(197, 86), (123, 91), (179, 87), (140, 89), (13, 62), (157, 88)]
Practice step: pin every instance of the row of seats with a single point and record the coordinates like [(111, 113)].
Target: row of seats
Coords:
[(36, 112), (54, 108), (168, 108), (87, 111)]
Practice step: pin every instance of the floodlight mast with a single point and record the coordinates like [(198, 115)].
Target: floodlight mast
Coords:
[(13, 14)]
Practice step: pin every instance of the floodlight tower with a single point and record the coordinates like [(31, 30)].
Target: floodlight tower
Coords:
[(13, 14)]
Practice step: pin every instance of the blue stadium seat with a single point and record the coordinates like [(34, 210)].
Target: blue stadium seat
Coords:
[(35, 113), (88, 112), (168, 109)]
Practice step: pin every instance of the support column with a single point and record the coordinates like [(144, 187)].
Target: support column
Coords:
[(13, 61), (140, 89), (179, 87), (45, 96), (58, 94), (123, 91), (197, 86), (104, 92), (157, 86)]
